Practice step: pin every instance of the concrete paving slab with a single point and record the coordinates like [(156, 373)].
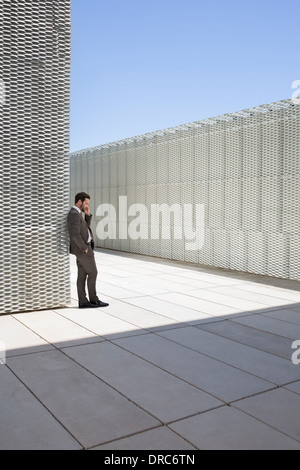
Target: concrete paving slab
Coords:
[(294, 387), (271, 325), (18, 339), (264, 299), (56, 329), (24, 423), (107, 257), (285, 315), (89, 409), (229, 429), (203, 306), (249, 336), (161, 438), (259, 363), (294, 307), (107, 278), (170, 310), (114, 291), (223, 299), (185, 282), (213, 279), (161, 266), (140, 317), (278, 408), (145, 285), (148, 386), (172, 286), (278, 292), (101, 323), (118, 272), (214, 377), (141, 269)]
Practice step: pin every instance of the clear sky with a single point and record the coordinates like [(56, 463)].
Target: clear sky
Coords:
[(143, 65)]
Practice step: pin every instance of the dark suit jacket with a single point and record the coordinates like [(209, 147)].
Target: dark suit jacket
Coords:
[(78, 232)]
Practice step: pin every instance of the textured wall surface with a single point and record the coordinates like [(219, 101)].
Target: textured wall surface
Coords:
[(243, 167), (34, 158)]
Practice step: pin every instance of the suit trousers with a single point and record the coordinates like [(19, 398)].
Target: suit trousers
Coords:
[(87, 271)]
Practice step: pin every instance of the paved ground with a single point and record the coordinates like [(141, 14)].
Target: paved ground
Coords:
[(184, 358)]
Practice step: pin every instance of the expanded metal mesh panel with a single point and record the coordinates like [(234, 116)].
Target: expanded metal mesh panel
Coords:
[(243, 167), (34, 159)]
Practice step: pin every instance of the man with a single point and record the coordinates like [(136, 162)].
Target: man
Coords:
[(82, 246)]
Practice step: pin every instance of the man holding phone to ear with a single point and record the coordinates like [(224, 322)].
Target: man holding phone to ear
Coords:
[(82, 246)]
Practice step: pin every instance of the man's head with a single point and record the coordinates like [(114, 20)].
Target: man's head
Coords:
[(82, 201)]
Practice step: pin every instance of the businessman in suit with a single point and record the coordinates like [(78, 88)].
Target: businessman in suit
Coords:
[(82, 246)]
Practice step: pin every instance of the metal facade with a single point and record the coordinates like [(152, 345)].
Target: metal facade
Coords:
[(34, 154), (244, 168)]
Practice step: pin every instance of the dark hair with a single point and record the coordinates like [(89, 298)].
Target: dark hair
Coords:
[(81, 197)]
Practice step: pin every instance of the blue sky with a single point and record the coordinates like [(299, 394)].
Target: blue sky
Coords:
[(143, 65)]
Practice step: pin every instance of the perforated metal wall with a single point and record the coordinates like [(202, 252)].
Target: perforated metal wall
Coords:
[(34, 154), (244, 168)]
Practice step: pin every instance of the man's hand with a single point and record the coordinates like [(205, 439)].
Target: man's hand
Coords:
[(86, 251), (87, 211)]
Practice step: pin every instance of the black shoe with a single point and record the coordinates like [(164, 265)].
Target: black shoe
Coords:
[(88, 305), (101, 304)]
